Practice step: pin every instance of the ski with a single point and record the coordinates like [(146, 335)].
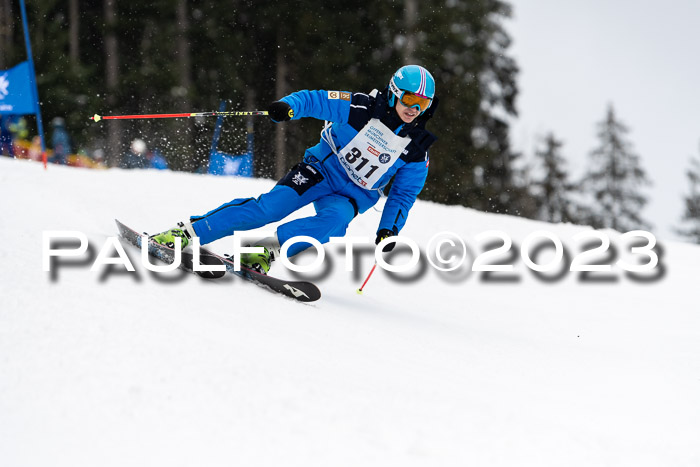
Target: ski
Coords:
[(302, 291)]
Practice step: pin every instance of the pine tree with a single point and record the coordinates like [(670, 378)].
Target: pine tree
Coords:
[(691, 216), (553, 191), (614, 179), (465, 46), (164, 55)]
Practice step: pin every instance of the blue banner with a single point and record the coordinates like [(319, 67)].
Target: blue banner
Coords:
[(16, 97), (227, 164)]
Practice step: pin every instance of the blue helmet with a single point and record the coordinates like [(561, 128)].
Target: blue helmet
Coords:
[(417, 82)]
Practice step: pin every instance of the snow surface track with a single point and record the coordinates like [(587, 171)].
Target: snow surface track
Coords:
[(109, 368)]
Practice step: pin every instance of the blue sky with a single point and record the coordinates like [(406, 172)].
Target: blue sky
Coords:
[(578, 56)]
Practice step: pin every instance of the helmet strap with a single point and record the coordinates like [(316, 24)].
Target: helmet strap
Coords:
[(395, 91)]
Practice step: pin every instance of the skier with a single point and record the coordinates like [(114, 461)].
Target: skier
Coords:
[(60, 141), (367, 140)]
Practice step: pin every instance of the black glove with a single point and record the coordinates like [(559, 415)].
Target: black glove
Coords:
[(381, 235), (280, 111)]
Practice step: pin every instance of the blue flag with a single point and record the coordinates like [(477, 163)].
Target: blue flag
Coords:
[(227, 164), (16, 97)]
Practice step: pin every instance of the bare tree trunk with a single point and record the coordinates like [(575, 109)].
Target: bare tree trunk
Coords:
[(114, 127), (410, 16), (281, 128), (7, 27), (250, 125), (74, 34), (184, 67), (183, 48)]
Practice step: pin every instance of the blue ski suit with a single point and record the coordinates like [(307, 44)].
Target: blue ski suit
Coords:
[(332, 173)]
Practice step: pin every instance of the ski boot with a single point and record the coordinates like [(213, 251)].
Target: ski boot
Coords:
[(260, 262), (184, 231)]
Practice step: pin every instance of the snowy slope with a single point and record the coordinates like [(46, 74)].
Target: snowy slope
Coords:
[(109, 368)]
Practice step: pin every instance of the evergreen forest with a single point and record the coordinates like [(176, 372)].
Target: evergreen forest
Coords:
[(115, 57)]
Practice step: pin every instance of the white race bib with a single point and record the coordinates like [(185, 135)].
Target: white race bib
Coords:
[(368, 156)]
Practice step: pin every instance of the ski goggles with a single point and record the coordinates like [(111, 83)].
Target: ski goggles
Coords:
[(411, 99)]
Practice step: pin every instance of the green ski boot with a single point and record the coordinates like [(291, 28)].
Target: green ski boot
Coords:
[(259, 262), (167, 238)]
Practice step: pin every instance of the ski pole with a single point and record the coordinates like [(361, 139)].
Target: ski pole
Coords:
[(97, 118), (359, 291)]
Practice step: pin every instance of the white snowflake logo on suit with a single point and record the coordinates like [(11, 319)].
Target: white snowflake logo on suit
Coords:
[(299, 179)]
